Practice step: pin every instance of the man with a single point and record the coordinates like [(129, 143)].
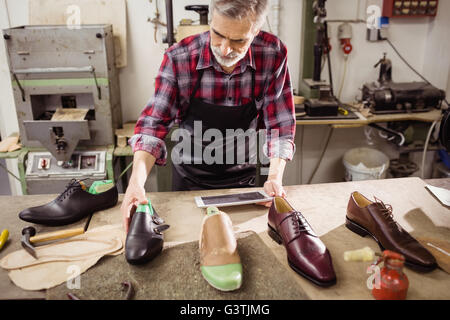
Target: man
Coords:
[(232, 77)]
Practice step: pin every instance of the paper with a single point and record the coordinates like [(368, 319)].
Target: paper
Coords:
[(442, 194)]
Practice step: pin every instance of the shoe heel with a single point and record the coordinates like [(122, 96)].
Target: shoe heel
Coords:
[(274, 235), (355, 228)]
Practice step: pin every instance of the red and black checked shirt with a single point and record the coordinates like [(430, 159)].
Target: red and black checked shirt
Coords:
[(178, 74)]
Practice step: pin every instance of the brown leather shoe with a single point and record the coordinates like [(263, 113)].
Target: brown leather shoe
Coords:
[(306, 253), (365, 217)]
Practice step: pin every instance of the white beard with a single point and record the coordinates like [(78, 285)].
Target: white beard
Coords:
[(228, 61)]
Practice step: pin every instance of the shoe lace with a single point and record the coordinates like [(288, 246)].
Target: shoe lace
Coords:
[(72, 185), (386, 210), (299, 222)]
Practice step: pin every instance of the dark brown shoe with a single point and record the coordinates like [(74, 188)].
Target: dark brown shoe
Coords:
[(306, 253), (375, 219)]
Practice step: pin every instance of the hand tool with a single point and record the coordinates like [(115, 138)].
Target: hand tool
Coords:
[(3, 238), (29, 236)]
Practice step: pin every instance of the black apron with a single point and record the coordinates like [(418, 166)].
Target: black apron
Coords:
[(193, 173)]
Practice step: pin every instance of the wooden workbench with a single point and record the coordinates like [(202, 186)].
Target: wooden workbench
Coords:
[(430, 116), (323, 205)]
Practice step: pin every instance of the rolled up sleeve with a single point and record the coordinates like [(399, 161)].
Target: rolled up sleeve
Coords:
[(279, 115), (158, 116)]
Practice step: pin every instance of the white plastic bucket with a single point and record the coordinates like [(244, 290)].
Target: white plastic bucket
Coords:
[(365, 164)]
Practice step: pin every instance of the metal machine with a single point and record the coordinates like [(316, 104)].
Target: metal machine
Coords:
[(187, 26), (325, 103), (387, 96), (67, 97)]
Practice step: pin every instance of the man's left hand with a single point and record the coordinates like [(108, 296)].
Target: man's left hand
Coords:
[(273, 188)]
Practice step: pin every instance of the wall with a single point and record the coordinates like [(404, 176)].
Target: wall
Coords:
[(423, 42)]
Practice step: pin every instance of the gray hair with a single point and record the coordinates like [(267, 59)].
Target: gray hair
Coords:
[(242, 9)]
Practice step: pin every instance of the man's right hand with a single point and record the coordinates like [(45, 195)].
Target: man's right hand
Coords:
[(134, 196)]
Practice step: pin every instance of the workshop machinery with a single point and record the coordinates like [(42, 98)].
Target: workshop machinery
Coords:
[(66, 92), (321, 100), (387, 96)]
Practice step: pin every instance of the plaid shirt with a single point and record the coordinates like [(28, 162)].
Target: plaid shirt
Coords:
[(178, 74)]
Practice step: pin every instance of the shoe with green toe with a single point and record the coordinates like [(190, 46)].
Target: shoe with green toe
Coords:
[(220, 262)]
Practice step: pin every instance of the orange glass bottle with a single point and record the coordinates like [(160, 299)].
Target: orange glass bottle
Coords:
[(393, 282)]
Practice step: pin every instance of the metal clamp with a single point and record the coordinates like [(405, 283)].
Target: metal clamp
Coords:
[(89, 69)]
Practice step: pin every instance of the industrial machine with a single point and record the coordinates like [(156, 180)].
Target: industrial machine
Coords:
[(324, 103), (67, 98), (187, 27), (387, 96)]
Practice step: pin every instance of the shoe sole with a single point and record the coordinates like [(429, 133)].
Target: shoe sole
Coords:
[(361, 231), (277, 238)]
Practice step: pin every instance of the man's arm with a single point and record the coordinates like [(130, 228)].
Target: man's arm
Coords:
[(143, 163), (279, 118), (148, 141)]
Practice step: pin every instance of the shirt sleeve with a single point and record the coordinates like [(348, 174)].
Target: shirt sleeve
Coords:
[(159, 114), (279, 115)]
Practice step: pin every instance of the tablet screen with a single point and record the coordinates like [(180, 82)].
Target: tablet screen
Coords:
[(232, 198)]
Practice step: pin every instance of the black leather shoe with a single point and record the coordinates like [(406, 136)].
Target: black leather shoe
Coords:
[(144, 239), (71, 206)]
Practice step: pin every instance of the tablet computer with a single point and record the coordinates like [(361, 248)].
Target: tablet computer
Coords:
[(232, 199)]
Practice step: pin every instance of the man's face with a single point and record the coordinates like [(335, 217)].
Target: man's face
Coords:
[(230, 38)]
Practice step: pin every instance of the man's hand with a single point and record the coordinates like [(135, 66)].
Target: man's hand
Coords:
[(273, 188), (134, 196)]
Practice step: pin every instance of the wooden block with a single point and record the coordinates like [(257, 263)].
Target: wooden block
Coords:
[(10, 143), (125, 133), (121, 141), (299, 100), (69, 114)]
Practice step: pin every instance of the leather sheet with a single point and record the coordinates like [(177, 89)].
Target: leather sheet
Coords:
[(60, 261)]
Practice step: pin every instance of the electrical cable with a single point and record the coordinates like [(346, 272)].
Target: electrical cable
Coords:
[(7, 13), (12, 174), (406, 62), (330, 133), (329, 61), (268, 24), (426, 147), (124, 171), (343, 77), (301, 154)]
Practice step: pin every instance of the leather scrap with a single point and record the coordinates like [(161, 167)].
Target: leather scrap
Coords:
[(68, 250), (218, 245), (440, 249), (60, 268)]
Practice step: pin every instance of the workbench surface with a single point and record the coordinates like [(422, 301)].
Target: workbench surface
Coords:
[(323, 205)]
